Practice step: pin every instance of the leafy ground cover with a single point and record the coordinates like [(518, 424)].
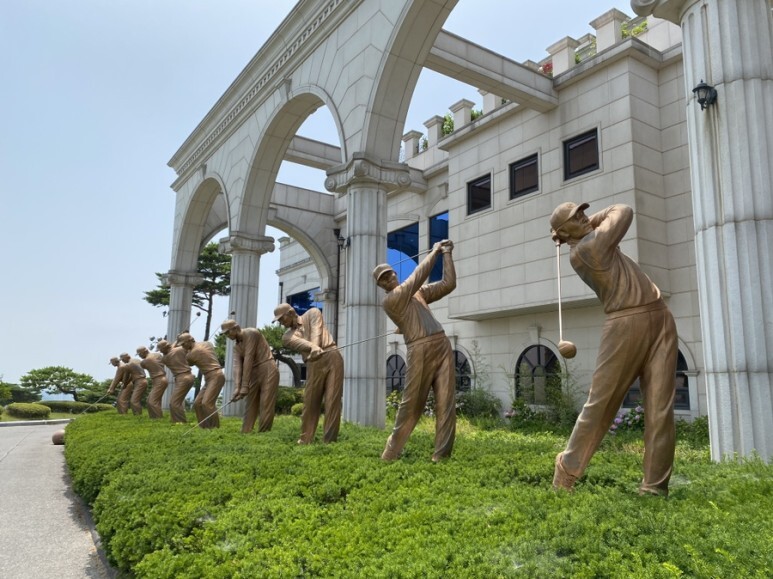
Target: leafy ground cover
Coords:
[(183, 502)]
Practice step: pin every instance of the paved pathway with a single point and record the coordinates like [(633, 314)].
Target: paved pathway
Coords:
[(45, 530)]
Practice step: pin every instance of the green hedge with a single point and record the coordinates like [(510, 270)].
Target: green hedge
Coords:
[(30, 410), (72, 407), (184, 502)]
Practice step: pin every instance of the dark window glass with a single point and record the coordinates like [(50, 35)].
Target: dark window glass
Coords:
[(395, 374), (682, 397), (438, 231), (463, 372), (581, 154), (538, 375), (524, 176), (402, 250), (302, 301), (479, 194)]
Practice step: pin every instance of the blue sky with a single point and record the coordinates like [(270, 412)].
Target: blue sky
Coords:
[(97, 96)]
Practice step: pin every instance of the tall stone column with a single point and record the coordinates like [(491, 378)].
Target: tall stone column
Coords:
[(245, 251), (181, 284), (328, 299), (366, 183), (729, 44)]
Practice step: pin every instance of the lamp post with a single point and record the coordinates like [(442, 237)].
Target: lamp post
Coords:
[(342, 243)]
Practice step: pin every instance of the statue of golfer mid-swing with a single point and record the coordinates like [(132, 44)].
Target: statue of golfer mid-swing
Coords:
[(638, 341)]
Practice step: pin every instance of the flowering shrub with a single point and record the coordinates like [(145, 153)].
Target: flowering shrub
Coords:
[(631, 420)]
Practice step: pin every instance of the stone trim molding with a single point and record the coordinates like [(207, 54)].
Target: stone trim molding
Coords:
[(364, 169), (277, 65), (666, 9), (181, 278), (243, 243)]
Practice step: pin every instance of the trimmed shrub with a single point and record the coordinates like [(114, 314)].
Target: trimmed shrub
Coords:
[(31, 410), (186, 502), (297, 409), (72, 407), (286, 398)]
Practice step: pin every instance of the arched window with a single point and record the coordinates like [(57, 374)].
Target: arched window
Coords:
[(463, 372), (395, 374), (537, 375), (682, 397)]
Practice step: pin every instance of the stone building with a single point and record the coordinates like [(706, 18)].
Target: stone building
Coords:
[(608, 118)]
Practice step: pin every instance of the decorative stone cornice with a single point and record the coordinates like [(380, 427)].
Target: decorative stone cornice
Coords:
[(666, 9), (363, 169), (243, 243), (274, 69), (181, 278)]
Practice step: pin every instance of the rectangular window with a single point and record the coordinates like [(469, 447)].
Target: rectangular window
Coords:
[(524, 176), (402, 250), (581, 154), (479, 194), (438, 231)]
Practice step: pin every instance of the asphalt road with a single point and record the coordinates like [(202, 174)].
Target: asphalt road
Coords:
[(45, 529)]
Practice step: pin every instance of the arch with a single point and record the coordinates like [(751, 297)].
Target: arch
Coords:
[(402, 62), (543, 367), (465, 370), (196, 228), (286, 119), (311, 245), (395, 373)]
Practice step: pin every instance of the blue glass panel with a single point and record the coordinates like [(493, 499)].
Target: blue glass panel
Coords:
[(402, 250), (438, 231), (302, 301)]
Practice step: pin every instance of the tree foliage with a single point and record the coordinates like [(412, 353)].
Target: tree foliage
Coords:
[(59, 380), (273, 334), (215, 268)]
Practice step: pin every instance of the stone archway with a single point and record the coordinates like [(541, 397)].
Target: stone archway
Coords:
[(362, 60)]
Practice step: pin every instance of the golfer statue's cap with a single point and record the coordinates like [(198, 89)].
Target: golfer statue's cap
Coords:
[(564, 213), (125, 355), (114, 360), (162, 344), (380, 270), (184, 337), (281, 310), (229, 324)]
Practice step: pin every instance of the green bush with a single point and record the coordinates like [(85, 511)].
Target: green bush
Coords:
[(19, 394), (286, 398), (30, 410), (478, 403), (72, 407), (694, 433), (185, 502), (297, 409)]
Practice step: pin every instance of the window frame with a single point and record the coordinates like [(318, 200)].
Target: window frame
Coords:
[(573, 144), (520, 164), (476, 183)]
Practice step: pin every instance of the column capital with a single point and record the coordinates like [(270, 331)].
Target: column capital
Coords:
[(326, 295), (181, 278), (666, 9), (244, 243), (364, 169)]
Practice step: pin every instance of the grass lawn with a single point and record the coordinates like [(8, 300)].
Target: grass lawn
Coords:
[(177, 501)]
